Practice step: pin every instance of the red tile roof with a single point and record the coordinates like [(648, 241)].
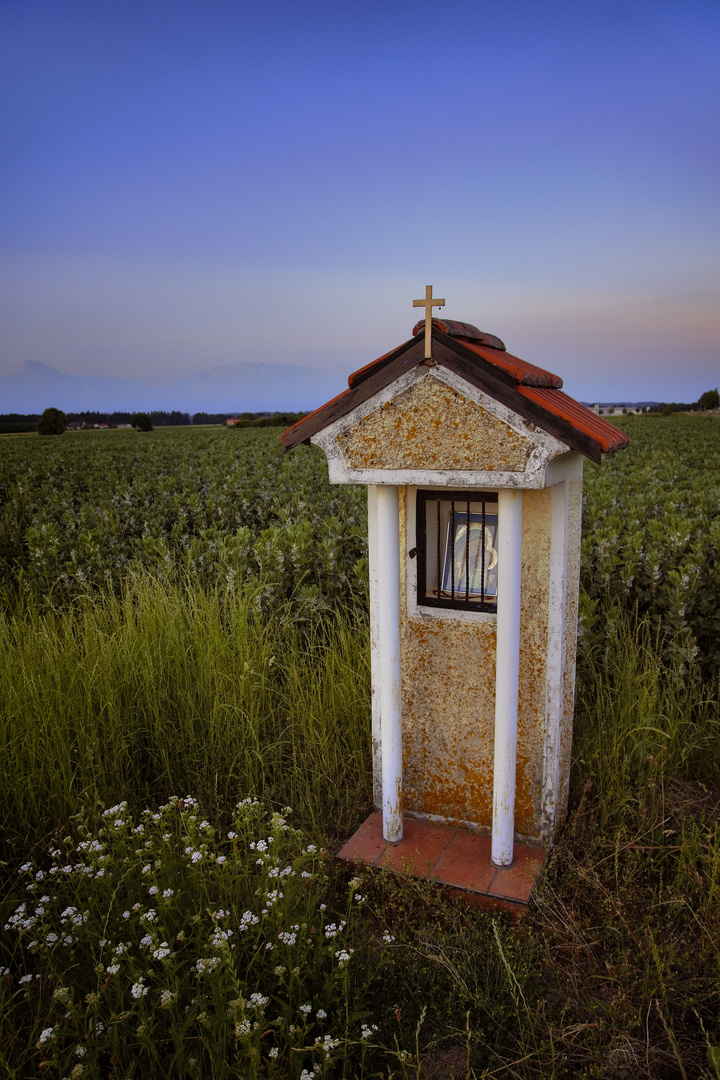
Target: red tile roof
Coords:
[(525, 374), (529, 390), (488, 346), (463, 330), (581, 418)]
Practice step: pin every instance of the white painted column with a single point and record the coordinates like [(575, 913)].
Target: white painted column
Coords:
[(507, 672), (388, 571)]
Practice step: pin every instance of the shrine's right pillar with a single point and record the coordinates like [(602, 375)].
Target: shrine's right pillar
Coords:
[(507, 674)]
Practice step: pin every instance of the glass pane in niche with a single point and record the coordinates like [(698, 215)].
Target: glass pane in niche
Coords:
[(471, 558)]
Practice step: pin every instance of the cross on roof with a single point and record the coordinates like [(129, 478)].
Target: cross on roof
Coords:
[(428, 303)]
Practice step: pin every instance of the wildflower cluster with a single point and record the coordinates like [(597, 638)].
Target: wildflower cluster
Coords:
[(151, 931)]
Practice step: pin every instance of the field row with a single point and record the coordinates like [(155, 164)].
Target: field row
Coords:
[(78, 514)]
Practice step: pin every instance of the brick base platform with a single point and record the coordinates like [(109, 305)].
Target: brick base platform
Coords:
[(449, 856)]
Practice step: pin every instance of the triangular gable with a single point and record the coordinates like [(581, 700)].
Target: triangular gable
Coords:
[(431, 427)]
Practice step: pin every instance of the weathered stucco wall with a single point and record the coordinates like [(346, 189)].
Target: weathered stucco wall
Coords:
[(432, 426), (448, 673), (534, 612)]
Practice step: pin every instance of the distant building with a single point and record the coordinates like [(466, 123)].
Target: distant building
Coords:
[(619, 410)]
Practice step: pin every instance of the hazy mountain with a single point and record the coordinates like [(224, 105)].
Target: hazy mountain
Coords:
[(235, 387)]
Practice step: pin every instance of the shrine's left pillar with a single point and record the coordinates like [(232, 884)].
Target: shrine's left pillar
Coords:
[(384, 531)]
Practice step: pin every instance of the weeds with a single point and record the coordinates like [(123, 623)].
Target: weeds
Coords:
[(155, 945), (180, 687)]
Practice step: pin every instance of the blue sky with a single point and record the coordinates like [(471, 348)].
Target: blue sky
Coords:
[(226, 205)]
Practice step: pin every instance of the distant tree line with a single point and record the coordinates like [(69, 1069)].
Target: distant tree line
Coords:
[(277, 419), (22, 422), (19, 423), (250, 419), (709, 400)]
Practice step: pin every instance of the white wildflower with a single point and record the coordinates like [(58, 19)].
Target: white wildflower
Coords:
[(327, 1043), (207, 964)]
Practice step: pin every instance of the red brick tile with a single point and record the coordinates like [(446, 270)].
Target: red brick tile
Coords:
[(454, 858), (516, 882), (367, 843), (419, 850), (465, 863)]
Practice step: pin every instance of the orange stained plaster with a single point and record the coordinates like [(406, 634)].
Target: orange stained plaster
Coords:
[(432, 426), (448, 670)]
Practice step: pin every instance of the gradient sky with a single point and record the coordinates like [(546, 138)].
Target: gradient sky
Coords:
[(228, 205)]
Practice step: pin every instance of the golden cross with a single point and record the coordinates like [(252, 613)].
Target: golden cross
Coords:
[(428, 303)]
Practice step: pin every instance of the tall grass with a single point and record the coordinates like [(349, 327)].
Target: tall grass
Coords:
[(640, 721), (178, 688), (628, 916)]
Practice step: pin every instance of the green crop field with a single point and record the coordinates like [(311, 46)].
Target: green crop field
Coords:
[(185, 739)]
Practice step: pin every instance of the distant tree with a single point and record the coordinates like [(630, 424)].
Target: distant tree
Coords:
[(709, 400), (209, 418), (142, 421), (52, 422)]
